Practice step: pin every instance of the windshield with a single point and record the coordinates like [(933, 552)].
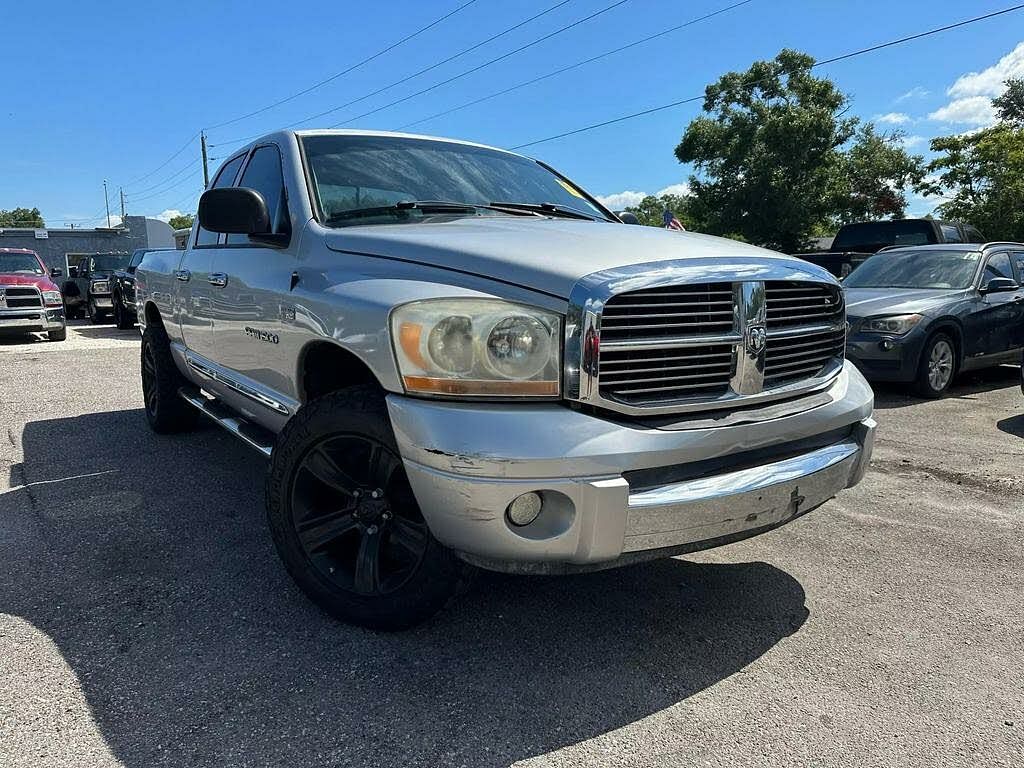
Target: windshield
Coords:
[(20, 262), (873, 235), (357, 172), (108, 262), (916, 269)]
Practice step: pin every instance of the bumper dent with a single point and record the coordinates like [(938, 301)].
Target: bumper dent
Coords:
[(466, 463)]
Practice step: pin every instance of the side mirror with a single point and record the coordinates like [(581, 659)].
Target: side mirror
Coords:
[(1000, 285), (234, 211), (627, 218), (72, 272), (56, 272)]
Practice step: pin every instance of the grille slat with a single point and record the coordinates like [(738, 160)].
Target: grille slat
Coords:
[(22, 297), (669, 363)]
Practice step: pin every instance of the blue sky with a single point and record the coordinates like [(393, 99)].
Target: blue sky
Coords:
[(113, 94)]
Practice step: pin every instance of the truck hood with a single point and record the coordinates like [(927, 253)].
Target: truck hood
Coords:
[(866, 302), (546, 255), (42, 282)]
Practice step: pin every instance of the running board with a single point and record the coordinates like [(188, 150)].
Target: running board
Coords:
[(255, 436)]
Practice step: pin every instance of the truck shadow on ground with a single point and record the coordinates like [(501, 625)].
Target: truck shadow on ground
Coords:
[(967, 386), (158, 582), (87, 330)]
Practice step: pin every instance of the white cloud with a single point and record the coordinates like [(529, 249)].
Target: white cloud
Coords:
[(972, 93), (909, 142), (917, 92), (892, 118), (167, 215), (630, 198), (972, 110), (620, 200)]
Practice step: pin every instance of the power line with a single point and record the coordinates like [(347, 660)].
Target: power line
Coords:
[(162, 182), (335, 76), (832, 60), (578, 64), (165, 162), (414, 75), (138, 199), (495, 60)]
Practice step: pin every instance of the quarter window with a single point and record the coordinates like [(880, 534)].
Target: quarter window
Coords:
[(224, 179), (263, 174)]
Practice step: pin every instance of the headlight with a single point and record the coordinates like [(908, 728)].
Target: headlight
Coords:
[(894, 324), (100, 286), (52, 297), (477, 347)]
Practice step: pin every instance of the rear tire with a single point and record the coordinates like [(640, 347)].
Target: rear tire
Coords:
[(345, 521), (166, 411), (96, 316), (937, 366), (58, 335)]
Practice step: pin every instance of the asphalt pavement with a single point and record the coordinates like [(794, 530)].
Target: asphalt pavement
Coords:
[(146, 621)]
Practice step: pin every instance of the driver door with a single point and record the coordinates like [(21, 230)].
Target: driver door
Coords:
[(997, 316)]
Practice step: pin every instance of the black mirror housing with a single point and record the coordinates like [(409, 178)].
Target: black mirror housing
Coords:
[(72, 272), (1000, 285), (56, 272), (627, 217), (234, 211)]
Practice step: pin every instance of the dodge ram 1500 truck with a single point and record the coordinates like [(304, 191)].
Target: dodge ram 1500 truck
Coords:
[(454, 357)]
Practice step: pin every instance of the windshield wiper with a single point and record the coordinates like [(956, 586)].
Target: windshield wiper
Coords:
[(551, 209), (426, 206)]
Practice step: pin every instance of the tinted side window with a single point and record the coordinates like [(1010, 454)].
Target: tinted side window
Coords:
[(998, 266), (973, 235), (1018, 258), (951, 233), (136, 259), (225, 178), (263, 173)]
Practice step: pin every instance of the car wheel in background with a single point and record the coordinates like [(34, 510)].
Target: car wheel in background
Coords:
[(345, 521), (937, 366), (122, 319), (58, 335), (166, 411), (95, 315)]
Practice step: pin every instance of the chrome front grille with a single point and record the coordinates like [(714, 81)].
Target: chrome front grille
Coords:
[(20, 297), (693, 345)]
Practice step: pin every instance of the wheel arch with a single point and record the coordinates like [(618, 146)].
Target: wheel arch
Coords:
[(326, 366)]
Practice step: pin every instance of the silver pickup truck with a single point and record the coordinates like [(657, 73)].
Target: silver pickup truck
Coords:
[(454, 357)]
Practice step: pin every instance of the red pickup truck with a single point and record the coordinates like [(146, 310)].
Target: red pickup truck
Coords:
[(30, 302)]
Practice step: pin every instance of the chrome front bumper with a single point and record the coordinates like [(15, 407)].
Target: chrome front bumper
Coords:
[(466, 463), (32, 320)]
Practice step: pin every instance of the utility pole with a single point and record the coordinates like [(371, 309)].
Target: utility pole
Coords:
[(206, 161), (106, 201), (121, 191)]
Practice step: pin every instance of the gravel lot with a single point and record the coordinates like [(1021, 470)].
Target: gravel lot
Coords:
[(145, 620)]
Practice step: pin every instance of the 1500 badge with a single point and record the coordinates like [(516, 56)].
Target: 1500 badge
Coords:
[(256, 333)]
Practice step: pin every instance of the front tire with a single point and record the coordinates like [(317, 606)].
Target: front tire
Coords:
[(95, 315), (58, 335), (166, 411), (937, 366), (345, 521), (122, 319)]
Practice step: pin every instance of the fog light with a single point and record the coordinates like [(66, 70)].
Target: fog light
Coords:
[(887, 344), (524, 509)]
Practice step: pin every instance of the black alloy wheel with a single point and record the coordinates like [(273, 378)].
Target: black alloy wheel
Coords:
[(150, 391), (359, 526)]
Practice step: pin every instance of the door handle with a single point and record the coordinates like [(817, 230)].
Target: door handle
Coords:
[(183, 274), (218, 279)]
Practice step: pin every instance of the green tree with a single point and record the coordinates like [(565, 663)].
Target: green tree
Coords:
[(1010, 106), (777, 160), (22, 217), (181, 221), (650, 210), (982, 173)]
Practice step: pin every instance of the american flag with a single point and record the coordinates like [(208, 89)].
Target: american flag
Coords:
[(669, 221)]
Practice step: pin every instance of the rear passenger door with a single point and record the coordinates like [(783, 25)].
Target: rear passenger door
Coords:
[(252, 309)]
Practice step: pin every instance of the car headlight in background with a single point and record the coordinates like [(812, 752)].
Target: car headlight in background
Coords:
[(477, 347), (100, 286), (52, 298), (894, 324)]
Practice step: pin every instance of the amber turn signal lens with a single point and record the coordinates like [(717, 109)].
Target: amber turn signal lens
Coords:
[(409, 337), (429, 385)]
